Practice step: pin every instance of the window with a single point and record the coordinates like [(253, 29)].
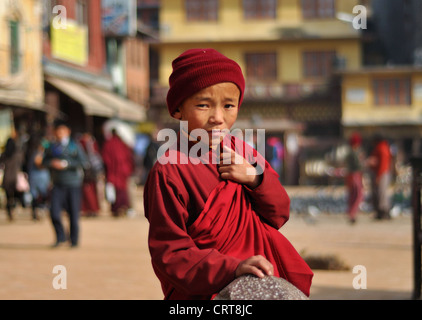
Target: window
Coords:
[(261, 66), (318, 63), (148, 14), (253, 9), (201, 10), (135, 52), (146, 3), (313, 9), (392, 91), (15, 55), (82, 12)]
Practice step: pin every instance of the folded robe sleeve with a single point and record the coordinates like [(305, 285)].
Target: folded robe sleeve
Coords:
[(178, 262)]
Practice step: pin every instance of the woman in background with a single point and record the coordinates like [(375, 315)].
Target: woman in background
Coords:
[(90, 204), (12, 158), (354, 176), (119, 164)]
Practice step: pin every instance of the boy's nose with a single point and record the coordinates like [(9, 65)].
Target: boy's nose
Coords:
[(217, 115)]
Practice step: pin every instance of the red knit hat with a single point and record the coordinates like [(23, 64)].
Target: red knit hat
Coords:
[(355, 139), (197, 69)]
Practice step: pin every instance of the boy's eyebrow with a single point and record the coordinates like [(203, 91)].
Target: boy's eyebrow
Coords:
[(206, 98)]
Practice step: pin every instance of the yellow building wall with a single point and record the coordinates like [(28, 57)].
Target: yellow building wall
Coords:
[(290, 61), (234, 36), (231, 25), (364, 110), (25, 88), (4, 41)]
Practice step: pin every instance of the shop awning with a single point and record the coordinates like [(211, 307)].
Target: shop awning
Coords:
[(98, 102)]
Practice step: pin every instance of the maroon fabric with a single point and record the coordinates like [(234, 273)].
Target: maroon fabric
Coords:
[(177, 195), (230, 225), (355, 139), (118, 161), (89, 198), (197, 69), (122, 201), (355, 190)]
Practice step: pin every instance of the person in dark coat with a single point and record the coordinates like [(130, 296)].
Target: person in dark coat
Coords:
[(66, 160), (12, 160), (39, 176)]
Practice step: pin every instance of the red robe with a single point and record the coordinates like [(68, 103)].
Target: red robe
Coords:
[(202, 227), (90, 203), (118, 161)]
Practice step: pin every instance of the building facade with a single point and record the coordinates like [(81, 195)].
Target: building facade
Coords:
[(289, 51), (21, 76), (384, 97), (88, 63)]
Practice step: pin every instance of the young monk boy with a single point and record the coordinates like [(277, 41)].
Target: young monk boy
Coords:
[(214, 217)]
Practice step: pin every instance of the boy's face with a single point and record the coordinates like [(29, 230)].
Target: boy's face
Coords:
[(62, 132), (213, 108)]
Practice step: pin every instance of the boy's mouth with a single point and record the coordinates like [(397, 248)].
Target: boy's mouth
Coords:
[(217, 132)]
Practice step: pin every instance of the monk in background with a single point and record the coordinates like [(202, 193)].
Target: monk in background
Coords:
[(119, 164)]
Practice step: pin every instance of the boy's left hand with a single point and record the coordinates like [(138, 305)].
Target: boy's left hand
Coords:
[(236, 168)]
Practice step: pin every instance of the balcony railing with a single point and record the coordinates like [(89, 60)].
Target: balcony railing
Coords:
[(264, 91)]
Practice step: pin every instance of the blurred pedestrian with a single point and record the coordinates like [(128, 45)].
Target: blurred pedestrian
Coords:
[(274, 153), (119, 164), (39, 176), (13, 178), (354, 183), (380, 165), (139, 152), (90, 203), (150, 155), (66, 160)]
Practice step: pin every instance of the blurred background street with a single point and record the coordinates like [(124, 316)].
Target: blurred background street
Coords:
[(113, 262)]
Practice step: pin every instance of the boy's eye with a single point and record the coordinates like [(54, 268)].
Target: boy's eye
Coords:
[(228, 106), (202, 105)]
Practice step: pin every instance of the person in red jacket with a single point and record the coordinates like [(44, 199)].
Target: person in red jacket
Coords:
[(380, 164), (213, 203)]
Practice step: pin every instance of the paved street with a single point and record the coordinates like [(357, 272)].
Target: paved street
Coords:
[(112, 261)]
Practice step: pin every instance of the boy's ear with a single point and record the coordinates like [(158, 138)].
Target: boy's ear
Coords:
[(177, 114)]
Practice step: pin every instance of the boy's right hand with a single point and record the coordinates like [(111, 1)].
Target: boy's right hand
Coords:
[(256, 265), (236, 168)]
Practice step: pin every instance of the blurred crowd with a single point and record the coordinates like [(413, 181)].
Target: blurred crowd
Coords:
[(29, 172), (66, 171)]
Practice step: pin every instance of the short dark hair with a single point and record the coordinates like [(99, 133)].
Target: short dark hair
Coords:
[(59, 123)]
